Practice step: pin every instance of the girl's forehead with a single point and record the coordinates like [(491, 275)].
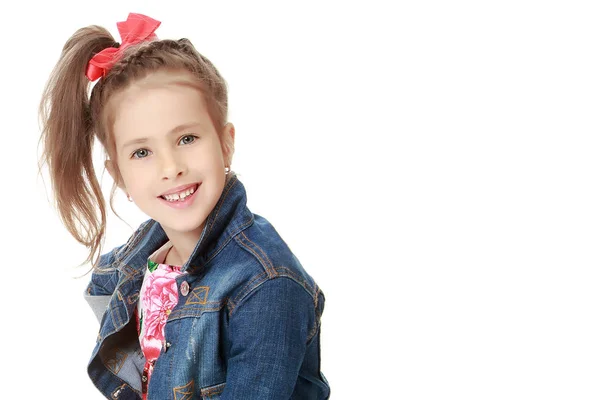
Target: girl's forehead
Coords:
[(156, 100), (155, 80), (164, 77)]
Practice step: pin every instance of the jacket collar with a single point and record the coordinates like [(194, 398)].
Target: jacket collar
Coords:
[(229, 217)]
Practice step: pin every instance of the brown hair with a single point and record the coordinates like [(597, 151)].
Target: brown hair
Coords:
[(71, 117)]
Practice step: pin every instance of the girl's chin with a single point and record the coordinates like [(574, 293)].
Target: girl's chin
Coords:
[(186, 226)]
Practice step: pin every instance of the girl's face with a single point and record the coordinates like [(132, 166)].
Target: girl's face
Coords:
[(166, 142)]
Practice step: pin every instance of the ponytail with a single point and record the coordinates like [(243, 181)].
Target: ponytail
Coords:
[(68, 137)]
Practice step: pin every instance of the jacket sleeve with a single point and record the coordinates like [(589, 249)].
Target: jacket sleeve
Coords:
[(105, 278), (268, 333), (103, 283)]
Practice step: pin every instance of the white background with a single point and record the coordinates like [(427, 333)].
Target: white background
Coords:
[(433, 164)]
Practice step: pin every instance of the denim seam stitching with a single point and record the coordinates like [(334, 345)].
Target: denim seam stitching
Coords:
[(317, 324), (261, 250), (212, 390), (249, 287), (285, 271), (196, 311), (235, 305), (189, 385), (171, 359), (265, 262), (226, 242), (117, 367)]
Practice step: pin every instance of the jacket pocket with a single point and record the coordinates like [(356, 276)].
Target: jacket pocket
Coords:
[(212, 392)]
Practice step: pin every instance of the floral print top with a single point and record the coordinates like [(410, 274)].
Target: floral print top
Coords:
[(158, 297)]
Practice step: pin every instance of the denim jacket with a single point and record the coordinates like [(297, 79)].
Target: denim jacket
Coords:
[(246, 325)]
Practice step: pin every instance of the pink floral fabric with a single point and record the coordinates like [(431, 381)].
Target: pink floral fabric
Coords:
[(158, 297)]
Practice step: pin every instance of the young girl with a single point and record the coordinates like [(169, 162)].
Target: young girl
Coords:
[(205, 300)]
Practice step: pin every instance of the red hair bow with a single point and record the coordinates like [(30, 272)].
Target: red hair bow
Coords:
[(136, 29)]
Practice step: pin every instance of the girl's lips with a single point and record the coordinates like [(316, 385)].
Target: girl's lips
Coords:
[(180, 189), (182, 204)]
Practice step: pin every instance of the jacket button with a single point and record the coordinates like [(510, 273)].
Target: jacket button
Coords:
[(185, 288)]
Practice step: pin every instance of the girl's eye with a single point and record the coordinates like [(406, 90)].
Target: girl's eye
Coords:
[(141, 153), (190, 139)]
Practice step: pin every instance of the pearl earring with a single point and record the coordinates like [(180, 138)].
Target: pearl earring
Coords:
[(227, 170), (129, 197)]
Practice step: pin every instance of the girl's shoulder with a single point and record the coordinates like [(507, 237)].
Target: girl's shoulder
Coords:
[(264, 243), (254, 256)]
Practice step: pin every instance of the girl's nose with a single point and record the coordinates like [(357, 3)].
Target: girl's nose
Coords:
[(172, 166)]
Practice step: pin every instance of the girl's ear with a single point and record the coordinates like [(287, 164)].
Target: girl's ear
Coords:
[(112, 171), (228, 143)]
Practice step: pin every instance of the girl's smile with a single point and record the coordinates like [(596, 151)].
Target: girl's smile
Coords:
[(186, 197)]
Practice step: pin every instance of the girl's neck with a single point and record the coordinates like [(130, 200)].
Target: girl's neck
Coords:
[(172, 257), (183, 243)]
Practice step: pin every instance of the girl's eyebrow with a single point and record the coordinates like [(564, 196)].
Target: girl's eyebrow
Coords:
[(177, 129)]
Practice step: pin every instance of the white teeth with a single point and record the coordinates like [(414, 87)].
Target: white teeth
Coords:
[(179, 196)]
